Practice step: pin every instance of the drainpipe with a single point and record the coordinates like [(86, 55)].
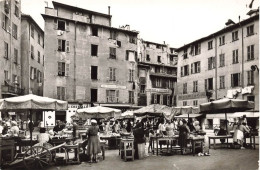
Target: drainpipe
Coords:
[(216, 70), (10, 33), (242, 75), (74, 57)]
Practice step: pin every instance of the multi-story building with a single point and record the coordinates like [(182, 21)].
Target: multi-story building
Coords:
[(32, 55), (157, 73), (223, 64), (87, 61), (10, 58)]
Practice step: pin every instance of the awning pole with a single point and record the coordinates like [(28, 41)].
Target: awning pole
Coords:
[(226, 122)]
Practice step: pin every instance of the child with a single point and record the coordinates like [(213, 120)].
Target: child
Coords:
[(151, 134)]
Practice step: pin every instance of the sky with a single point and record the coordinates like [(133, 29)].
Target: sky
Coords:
[(177, 22)]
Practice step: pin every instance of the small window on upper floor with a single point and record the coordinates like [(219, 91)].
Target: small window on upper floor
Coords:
[(210, 45), (32, 31), (61, 25), (159, 59), (148, 57), (94, 31), (16, 11), (222, 40), (250, 30), (235, 36)]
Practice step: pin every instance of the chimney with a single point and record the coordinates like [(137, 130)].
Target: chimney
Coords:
[(109, 16), (229, 23)]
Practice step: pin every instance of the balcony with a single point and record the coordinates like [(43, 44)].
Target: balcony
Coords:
[(163, 74), (12, 90)]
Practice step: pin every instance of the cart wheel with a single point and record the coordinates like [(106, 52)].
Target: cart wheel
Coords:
[(37, 157)]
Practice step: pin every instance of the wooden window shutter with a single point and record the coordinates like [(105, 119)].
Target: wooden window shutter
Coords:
[(67, 46), (232, 81), (181, 71), (59, 44), (67, 26), (114, 74), (3, 20), (117, 96), (188, 70), (58, 92), (67, 70), (239, 82), (136, 56), (191, 68), (209, 63), (155, 98), (206, 84), (198, 67), (59, 68), (127, 55), (55, 24)]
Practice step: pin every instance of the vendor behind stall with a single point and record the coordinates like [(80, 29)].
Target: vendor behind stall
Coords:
[(43, 137), (14, 129), (138, 133), (58, 127)]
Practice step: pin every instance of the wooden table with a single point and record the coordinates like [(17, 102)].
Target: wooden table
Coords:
[(194, 140), (110, 143), (219, 137), (165, 138)]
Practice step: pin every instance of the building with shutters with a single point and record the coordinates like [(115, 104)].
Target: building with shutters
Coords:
[(32, 56), (223, 64), (88, 62), (10, 50), (157, 74)]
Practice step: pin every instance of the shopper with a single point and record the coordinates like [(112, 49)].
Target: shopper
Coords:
[(183, 135)]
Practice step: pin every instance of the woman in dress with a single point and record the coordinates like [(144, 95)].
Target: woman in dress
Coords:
[(183, 136), (169, 128), (93, 141)]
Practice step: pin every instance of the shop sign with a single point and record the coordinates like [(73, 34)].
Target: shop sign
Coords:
[(156, 90), (76, 106), (192, 96), (112, 86), (11, 113)]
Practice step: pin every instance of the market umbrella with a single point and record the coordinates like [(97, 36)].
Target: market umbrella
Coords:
[(151, 110), (186, 110), (226, 106), (31, 103), (127, 115), (98, 112)]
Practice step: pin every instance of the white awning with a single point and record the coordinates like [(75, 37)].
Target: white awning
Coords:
[(190, 115), (233, 115)]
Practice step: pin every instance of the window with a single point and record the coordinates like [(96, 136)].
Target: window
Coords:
[(131, 75), (157, 69), (32, 51), (112, 53), (112, 74), (251, 98), (5, 23), (33, 73), (185, 70), (147, 57), (185, 88), (250, 77), (16, 11), (250, 30), (211, 63), (147, 45), (250, 52), (132, 39), (112, 35), (142, 91), (6, 75), (63, 69), (6, 50), (185, 53), (210, 45), (168, 101), (158, 82), (158, 46), (39, 80), (63, 45), (195, 50), (209, 84), (94, 72), (235, 56), (94, 95), (61, 25), (94, 31), (131, 97), (171, 84), (195, 86), (235, 36), (159, 59), (15, 80), (221, 82), (39, 57), (15, 55), (94, 50), (15, 31), (184, 103), (195, 102), (221, 60), (195, 67), (61, 93), (32, 31), (39, 39), (221, 40), (235, 80), (112, 96)]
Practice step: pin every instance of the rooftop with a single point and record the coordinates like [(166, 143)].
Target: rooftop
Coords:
[(30, 19)]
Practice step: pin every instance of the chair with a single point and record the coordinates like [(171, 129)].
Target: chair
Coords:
[(128, 149)]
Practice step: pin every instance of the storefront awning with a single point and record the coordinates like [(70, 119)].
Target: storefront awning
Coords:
[(233, 115), (190, 115)]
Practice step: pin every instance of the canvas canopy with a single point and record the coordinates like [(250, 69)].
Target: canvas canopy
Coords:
[(151, 110), (32, 102), (98, 112), (188, 116)]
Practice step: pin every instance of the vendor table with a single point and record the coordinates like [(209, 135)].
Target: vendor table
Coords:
[(166, 138), (113, 141), (252, 137), (196, 140), (219, 137)]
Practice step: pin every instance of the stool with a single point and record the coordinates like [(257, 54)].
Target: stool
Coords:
[(76, 152), (128, 148)]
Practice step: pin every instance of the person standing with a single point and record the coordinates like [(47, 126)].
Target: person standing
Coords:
[(128, 126), (183, 136), (93, 142), (14, 129)]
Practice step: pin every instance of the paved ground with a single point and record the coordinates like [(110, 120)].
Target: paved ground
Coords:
[(224, 159)]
